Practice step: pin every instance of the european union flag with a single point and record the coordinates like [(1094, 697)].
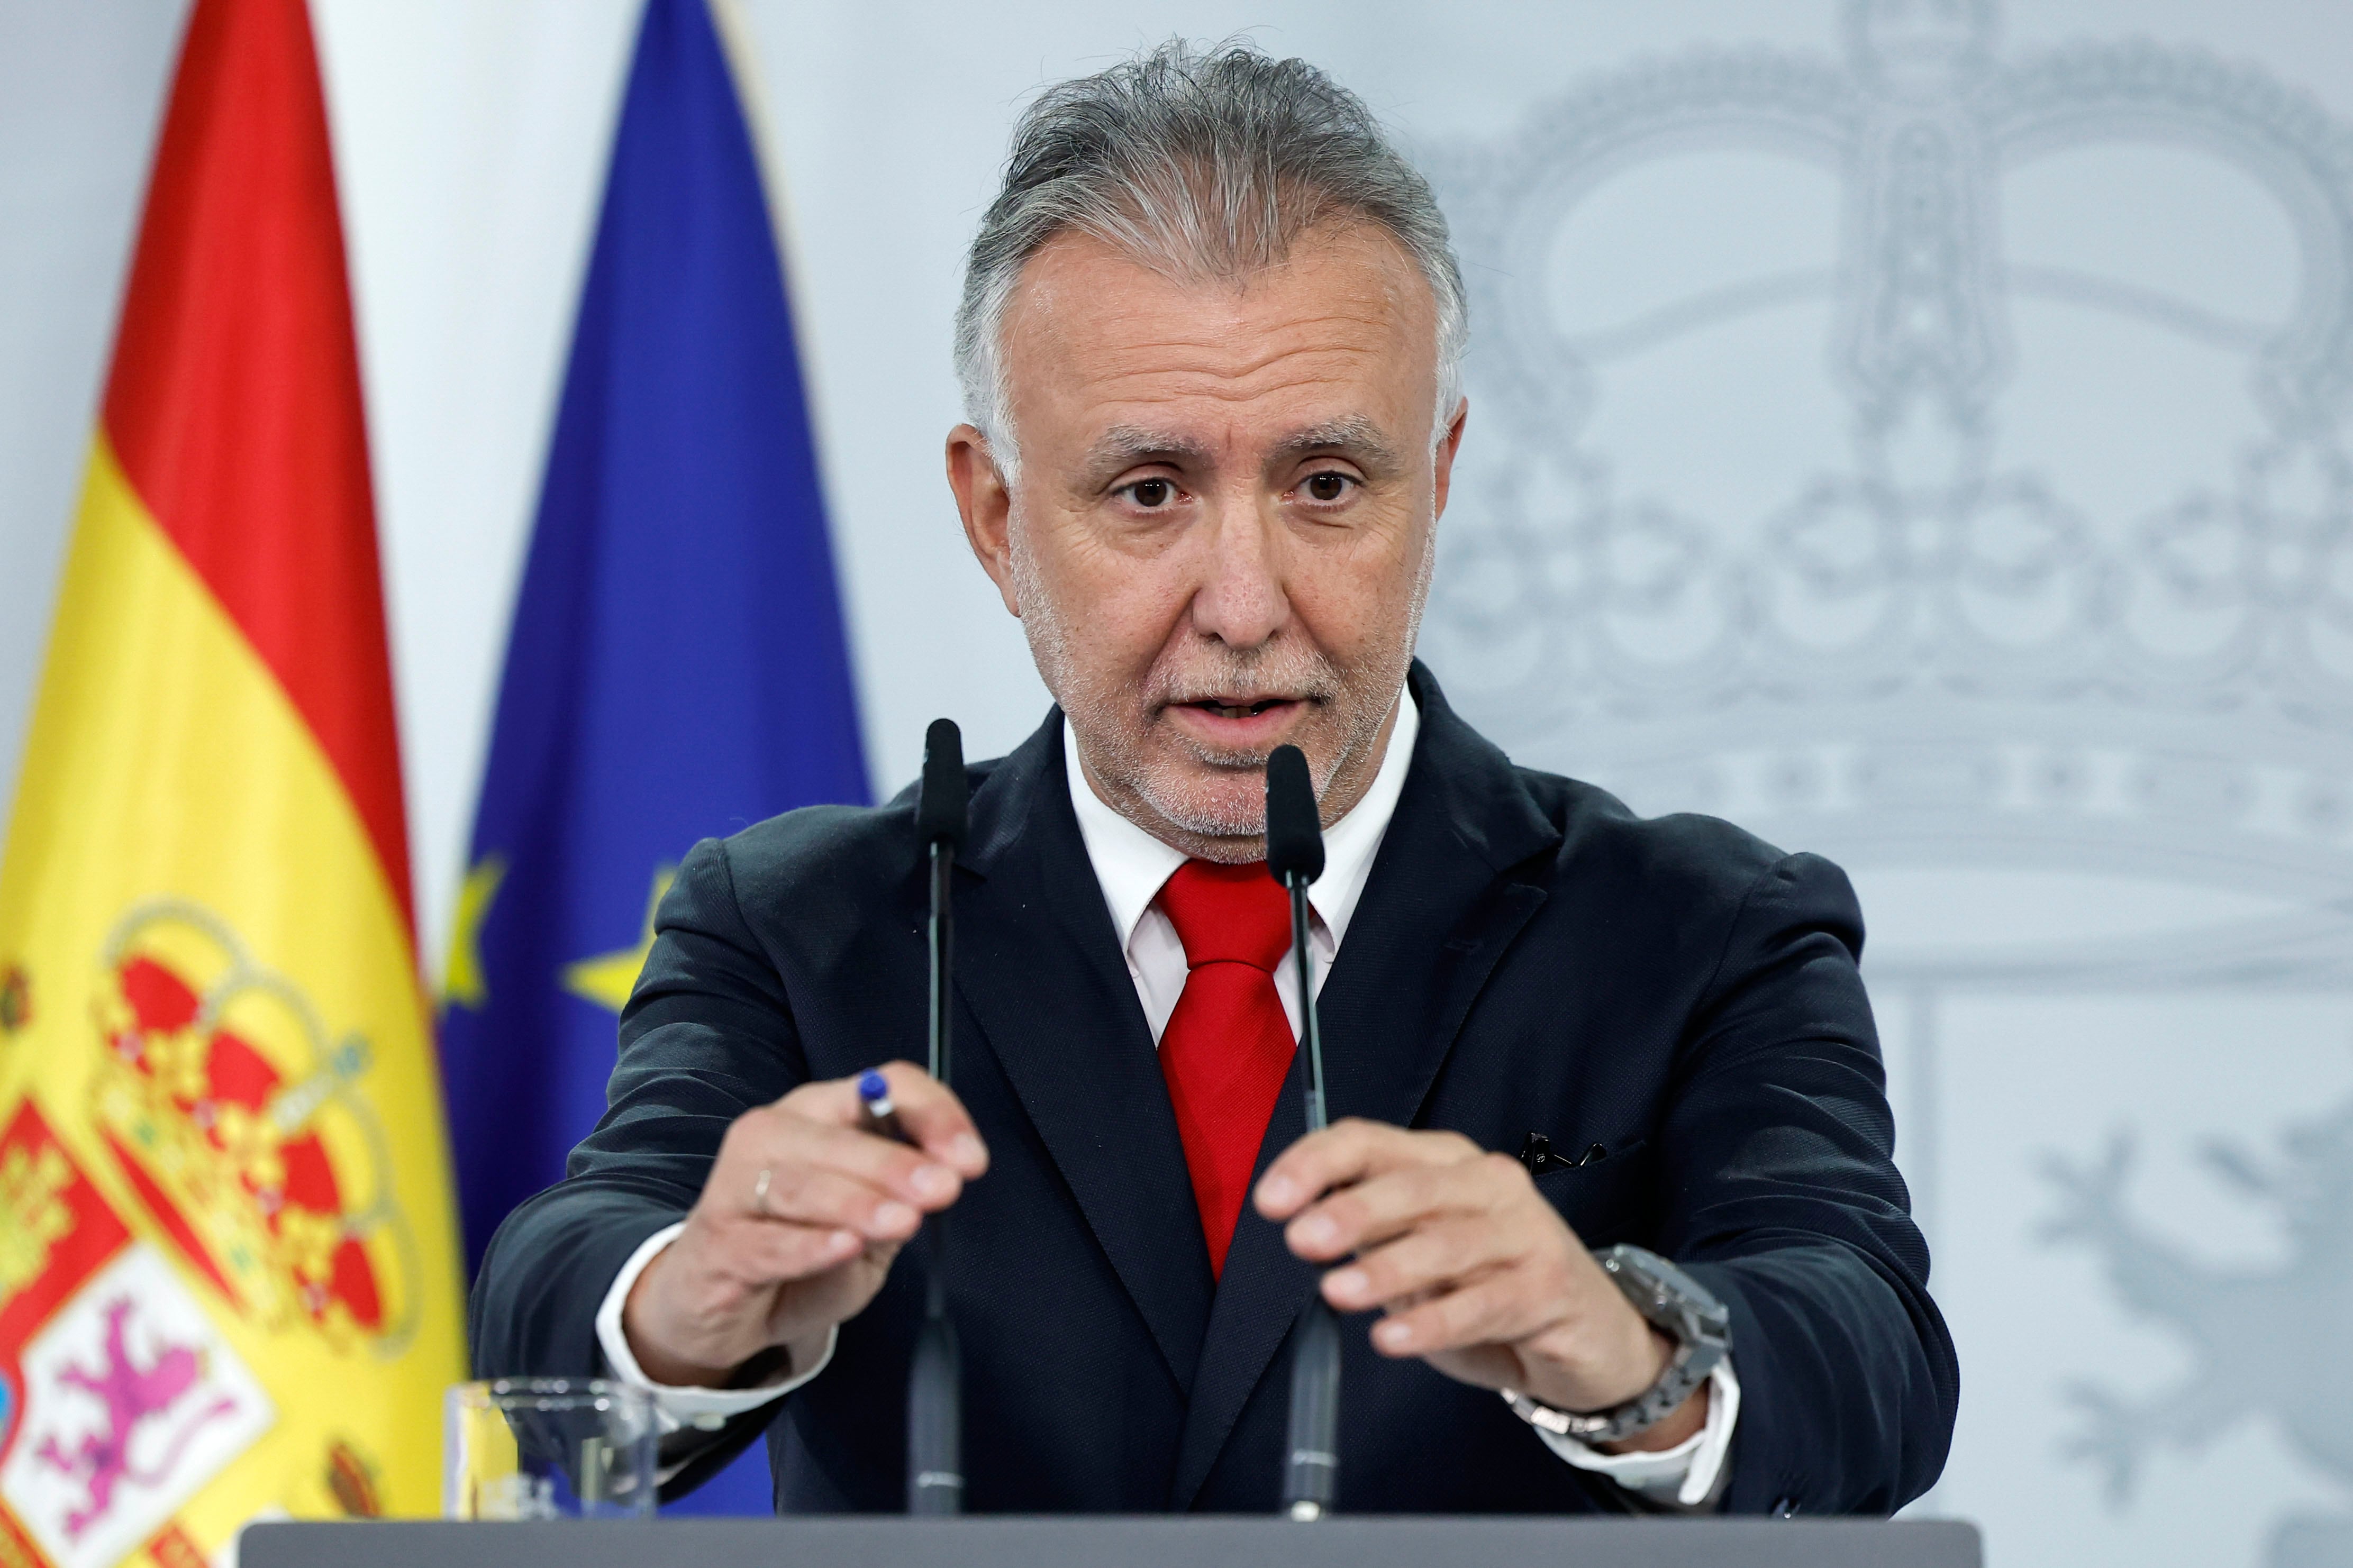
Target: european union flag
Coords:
[(676, 667)]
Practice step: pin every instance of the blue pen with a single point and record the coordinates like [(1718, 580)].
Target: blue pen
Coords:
[(874, 1100)]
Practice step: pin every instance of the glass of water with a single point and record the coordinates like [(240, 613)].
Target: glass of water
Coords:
[(547, 1448)]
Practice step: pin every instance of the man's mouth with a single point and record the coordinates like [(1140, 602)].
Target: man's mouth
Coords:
[(1238, 708)]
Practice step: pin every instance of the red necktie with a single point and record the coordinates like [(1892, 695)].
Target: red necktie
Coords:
[(1228, 1045)]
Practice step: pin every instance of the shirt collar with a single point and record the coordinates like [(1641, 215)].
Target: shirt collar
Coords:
[(1132, 866)]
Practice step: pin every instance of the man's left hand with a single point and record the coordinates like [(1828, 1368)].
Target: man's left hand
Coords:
[(1474, 1271)]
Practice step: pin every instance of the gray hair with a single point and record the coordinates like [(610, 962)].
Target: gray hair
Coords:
[(1203, 163)]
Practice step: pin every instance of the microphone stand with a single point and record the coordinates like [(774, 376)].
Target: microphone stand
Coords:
[(935, 1377), (1312, 1032), (1311, 1469)]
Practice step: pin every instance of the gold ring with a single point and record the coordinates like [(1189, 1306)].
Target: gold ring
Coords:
[(760, 1190)]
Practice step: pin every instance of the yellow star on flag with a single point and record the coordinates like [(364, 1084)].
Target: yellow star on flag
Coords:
[(462, 982), (607, 979)]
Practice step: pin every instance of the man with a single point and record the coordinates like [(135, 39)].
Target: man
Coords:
[(1210, 345)]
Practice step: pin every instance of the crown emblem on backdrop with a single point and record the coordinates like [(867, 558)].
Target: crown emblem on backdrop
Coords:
[(235, 1118), (1932, 648)]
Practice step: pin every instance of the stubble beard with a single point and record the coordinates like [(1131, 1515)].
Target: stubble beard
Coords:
[(1226, 819)]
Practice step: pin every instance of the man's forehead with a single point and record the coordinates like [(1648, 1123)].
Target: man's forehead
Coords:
[(1116, 363), (1345, 289)]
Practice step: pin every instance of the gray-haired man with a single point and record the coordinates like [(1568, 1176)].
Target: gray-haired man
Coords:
[(1209, 346)]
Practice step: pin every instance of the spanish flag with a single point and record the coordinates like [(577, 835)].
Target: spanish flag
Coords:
[(228, 1281)]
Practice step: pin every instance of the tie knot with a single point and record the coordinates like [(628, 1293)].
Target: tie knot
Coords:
[(1228, 914)]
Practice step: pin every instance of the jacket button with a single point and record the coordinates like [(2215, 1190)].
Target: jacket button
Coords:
[(1787, 1508)]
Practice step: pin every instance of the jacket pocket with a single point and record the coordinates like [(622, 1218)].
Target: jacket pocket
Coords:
[(1607, 1200)]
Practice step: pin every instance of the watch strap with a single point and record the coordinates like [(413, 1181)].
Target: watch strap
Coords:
[(1680, 1307)]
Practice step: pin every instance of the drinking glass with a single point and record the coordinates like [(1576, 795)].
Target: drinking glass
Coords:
[(547, 1448)]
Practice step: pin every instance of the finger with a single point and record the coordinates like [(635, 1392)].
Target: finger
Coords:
[(801, 1194), (784, 1143), (1348, 1151), (828, 1297), (1421, 1264), (770, 1253), (1380, 1207), (936, 1120), (928, 1110), (1489, 1311)]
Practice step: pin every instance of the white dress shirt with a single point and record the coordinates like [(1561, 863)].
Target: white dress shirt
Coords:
[(1132, 866)]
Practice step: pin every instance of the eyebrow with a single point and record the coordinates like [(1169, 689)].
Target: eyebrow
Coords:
[(1123, 446), (1354, 434)]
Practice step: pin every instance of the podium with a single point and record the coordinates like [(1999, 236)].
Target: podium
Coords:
[(1200, 1541)]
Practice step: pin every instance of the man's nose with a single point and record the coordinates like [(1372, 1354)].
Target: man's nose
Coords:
[(1240, 600)]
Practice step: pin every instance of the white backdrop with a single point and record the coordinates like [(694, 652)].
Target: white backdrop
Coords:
[(1913, 432)]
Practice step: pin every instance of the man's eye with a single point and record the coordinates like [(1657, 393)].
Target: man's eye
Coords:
[(1327, 487), (1152, 493)]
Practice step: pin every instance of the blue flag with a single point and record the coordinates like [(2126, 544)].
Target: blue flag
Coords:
[(676, 667)]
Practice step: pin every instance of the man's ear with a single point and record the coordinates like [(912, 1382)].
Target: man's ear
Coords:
[(1443, 458), (985, 501)]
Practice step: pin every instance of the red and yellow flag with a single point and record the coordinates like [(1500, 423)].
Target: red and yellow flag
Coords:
[(228, 1285)]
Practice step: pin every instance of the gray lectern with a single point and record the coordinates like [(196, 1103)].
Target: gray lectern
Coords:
[(982, 1541)]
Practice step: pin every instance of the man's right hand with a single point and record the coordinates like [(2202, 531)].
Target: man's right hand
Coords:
[(782, 1261)]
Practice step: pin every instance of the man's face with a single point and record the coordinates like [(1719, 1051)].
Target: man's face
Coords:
[(1220, 535)]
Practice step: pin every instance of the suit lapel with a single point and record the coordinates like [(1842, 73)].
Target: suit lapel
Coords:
[(1437, 915), (1041, 967)]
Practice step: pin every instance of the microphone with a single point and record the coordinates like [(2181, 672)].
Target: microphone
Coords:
[(1294, 856), (1294, 832), (940, 799), (935, 1378)]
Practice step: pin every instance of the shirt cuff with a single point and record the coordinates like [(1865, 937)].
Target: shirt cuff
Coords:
[(706, 1409), (1688, 1470)]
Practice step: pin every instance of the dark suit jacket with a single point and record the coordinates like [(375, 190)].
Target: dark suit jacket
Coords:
[(1528, 956)]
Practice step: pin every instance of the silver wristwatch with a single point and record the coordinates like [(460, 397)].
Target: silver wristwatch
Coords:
[(1672, 1302)]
